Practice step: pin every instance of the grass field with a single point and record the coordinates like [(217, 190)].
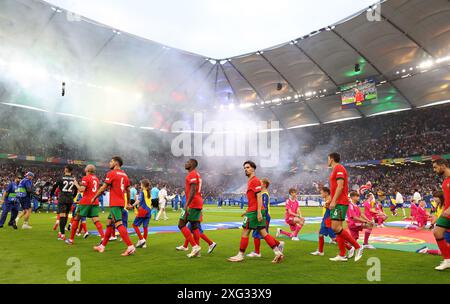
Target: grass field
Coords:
[(35, 256)]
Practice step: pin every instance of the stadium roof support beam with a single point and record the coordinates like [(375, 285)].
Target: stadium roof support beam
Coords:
[(374, 66), (291, 85), (315, 63), (103, 47), (190, 75), (229, 82), (203, 80), (398, 28), (215, 82), (36, 38), (257, 93)]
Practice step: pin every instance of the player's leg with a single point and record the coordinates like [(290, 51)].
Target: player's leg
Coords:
[(211, 244), (184, 230), (75, 223), (442, 224), (63, 212), (194, 221), (322, 232), (337, 218), (299, 225), (94, 213), (242, 245), (270, 240), (257, 242)]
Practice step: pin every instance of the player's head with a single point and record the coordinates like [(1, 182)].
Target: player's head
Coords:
[(333, 158), (438, 197), (325, 192), (440, 165), (68, 169), (354, 196), (265, 183), (116, 161), (191, 164), (370, 196), (90, 169), (29, 175), (145, 184), (17, 178), (422, 203), (249, 167), (293, 193)]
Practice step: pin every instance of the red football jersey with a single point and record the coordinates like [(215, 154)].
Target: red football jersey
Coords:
[(118, 182), (194, 178), (446, 190), (92, 183), (253, 187), (339, 172)]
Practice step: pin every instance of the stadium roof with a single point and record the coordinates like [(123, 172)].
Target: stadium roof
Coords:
[(406, 51)]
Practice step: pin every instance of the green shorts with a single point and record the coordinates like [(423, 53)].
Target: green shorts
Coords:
[(338, 213), (88, 210), (194, 215), (251, 220), (115, 213), (443, 222)]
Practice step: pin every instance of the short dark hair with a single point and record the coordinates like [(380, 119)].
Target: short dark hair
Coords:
[(69, 168), (195, 162), (440, 195), (335, 156), (440, 162), (354, 193), (326, 190), (118, 159), (249, 162), (292, 190)]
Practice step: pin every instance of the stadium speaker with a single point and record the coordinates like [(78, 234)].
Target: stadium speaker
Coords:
[(279, 86), (357, 67)]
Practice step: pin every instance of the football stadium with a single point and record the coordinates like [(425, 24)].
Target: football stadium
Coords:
[(140, 144)]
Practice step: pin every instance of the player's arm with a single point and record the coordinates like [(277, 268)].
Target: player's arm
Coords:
[(2, 200), (192, 191), (128, 197), (446, 212), (100, 192), (80, 188), (260, 202), (339, 188)]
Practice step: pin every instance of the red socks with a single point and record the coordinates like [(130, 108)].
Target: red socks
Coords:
[(444, 247), (206, 239), (73, 229), (344, 233), (108, 233), (270, 241), (341, 244), (196, 233), (244, 244), (99, 227), (84, 227), (124, 235), (186, 243), (321, 242), (188, 236), (257, 245), (145, 232), (366, 237), (138, 232), (297, 230)]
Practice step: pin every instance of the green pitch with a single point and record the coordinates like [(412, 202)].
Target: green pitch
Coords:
[(35, 256)]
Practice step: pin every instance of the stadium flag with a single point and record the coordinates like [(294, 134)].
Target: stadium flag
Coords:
[(434, 157), (3, 155), (30, 157), (12, 156), (446, 156), (425, 158)]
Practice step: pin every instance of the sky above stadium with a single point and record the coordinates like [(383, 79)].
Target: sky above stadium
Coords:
[(216, 29)]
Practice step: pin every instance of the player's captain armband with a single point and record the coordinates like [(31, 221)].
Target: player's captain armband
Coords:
[(258, 188)]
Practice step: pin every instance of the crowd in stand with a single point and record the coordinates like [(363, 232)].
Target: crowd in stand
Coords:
[(408, 133)]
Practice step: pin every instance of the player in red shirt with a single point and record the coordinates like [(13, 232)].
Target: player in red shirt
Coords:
[(119, 186), (441, 167), (89, 186), (255, 217), (192, 213), (338, 207)]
